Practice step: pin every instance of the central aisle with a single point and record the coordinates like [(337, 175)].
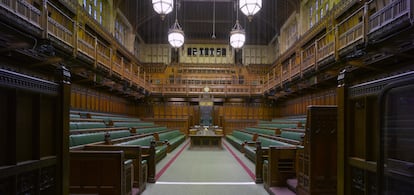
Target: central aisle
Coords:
[(205, 171)]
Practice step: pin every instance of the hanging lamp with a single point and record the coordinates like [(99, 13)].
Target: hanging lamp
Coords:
[(175, 33), (237, 34), (163, 7), (250, 7)]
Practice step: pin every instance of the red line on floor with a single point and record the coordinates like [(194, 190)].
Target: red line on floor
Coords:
[(170, 162), (250, 173)]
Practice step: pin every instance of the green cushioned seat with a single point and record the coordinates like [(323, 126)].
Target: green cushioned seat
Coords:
[(74, 116), (266, 142), (143, 141), (87, 125), (174, 138), (86, 138), (237, 138), (292, 135), (151, 130), (260, 131), (73, 125), (280, 126), (136, 124), (119, 134)]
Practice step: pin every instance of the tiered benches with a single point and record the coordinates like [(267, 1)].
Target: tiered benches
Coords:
[(238, 139), (255, 143), (142, 143), (172, 138)]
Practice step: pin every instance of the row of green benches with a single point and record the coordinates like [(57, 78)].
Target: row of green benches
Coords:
[(87, 138), (101, 124), (251, 144), (101, 116)]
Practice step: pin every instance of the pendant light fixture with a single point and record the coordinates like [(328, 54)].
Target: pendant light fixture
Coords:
[(163, 7), (237, 34), (250, 7), (175, 33)]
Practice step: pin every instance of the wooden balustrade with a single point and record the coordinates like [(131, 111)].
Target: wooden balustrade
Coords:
[(389, 14), (348, 32)]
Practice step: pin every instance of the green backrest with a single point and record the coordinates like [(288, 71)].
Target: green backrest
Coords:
[(143, 141), (74, 116), (242, 135), (261, 131), (266, 142), (116, 118), (292, 135), (280, 126), (119, 134), (86, 138), (73, 125), (136, 124), (170, 135), (89, 125), (151, 129), (302, 120)]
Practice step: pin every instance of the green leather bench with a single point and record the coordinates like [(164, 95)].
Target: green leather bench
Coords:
[(86, 125), (250, 149), (160, 148), (87, 138), (277, 125), (260, 131), (117, 118), (133, 124), (151, 130), (238, 138), (174, 138)]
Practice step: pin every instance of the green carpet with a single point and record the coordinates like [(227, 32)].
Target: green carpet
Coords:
[(204, 172)]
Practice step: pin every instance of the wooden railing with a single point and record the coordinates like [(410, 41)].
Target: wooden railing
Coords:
[(59, 31), (309, 59), (345, 34), (389, 13), (354, 30)]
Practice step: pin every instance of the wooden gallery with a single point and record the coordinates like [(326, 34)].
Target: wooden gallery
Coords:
[(243, 97)]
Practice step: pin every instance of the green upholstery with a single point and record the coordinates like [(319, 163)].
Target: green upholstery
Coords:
[(250, 151), (260, 131), (266, 142), (237, 138), (74, 116), (119, 134), (116, 118), (86, 125), (174, 138), (143, 141), (160, 151), (87, 138), (277, 125), (132, 124), (302, 120), (292, 135), (151, 130)]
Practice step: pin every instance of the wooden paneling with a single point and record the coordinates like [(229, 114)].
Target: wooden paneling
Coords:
[(298, 105), (93, 100)]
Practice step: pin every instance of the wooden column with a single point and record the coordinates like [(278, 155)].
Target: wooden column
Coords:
[(341, 102), (63, 77)]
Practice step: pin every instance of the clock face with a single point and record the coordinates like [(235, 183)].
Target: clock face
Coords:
[(206, 89)]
